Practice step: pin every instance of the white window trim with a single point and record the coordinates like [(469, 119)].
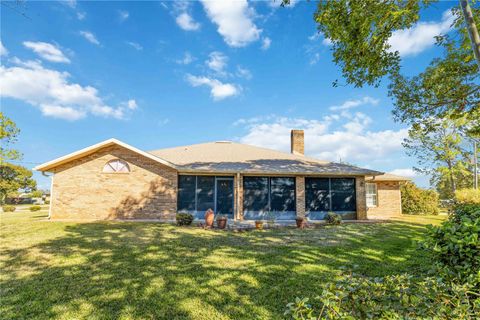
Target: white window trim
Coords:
[(371, 196), (112, 167)]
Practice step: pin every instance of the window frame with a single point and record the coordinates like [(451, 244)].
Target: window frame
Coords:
[(108, 163), (264, 214), (195, 211), (370, 195), (328, 192)]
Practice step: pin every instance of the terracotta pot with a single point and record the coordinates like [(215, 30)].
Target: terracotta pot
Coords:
[(221, 223), (259, 225), (301, 222), (209, 215)]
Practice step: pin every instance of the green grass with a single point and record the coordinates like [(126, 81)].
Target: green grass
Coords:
[(135, 270)]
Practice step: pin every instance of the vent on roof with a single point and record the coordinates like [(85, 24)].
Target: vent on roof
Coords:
[(224, 141)]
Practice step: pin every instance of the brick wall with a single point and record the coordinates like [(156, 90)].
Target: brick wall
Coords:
[(388, 199), (361, 198), (82, 191), (300, 195)]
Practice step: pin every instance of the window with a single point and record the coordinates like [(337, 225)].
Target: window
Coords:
[(371, 189), (116, 166), (343, 194), (330, 194), (262, 195), (255, 194), (186, 193), (197, 194), (317, 194), (282, 194), (205, 193)]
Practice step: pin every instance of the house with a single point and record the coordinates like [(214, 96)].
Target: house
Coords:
[(113, 180)]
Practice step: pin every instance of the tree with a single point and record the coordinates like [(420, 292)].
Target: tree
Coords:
[(360, 31), (13, 178), (8, 136), (440, 148)]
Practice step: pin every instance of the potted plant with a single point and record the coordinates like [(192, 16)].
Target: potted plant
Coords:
[(258, 224), (209, 216), (221, 221), (301, 222)]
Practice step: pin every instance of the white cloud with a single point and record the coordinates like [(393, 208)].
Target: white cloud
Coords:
[(277, 3), (421, 36), (243, 73), (81, 15), (218, 90), (54, 94), (66, 113), (349, 104), (187, 59), (123, 15), (234, 21), (90, 37), (71, 3), (407, 172), (266, 42), (217, 62), (327, 42), (314, 59), (132, 104), (186, 22), (135, 45), (3, 50), (47, 51), (330, 138)]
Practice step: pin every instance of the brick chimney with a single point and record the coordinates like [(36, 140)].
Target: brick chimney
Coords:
[(297, 142)]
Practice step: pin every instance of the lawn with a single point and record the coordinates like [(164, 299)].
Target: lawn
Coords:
[(135, 270)]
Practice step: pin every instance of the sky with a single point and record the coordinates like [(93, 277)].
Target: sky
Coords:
[(165, 74)]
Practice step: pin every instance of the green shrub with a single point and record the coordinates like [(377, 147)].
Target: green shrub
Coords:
[(390, 297), (468, 196), (464, 210), (184, 219), (47, 201), (418, 201), (333, 218), (35, 208), (8, 208), (455, 245)]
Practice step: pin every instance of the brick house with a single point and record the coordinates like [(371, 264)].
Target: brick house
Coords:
[(113, 180)]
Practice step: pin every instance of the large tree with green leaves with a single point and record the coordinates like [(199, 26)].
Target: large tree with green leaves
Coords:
[(442, 153), (12, 177), (360, 31), (8, 136)]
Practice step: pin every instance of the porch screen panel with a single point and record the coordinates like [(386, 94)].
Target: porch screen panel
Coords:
[(317, 194), (205, 193), (255, 197), (343, 194), (255, 193), (282, 197), (330, 194), (186, 193)]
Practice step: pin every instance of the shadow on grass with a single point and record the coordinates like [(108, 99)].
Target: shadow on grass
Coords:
[(146, 270)]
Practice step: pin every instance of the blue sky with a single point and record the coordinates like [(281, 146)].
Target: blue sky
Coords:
[(163, 74)]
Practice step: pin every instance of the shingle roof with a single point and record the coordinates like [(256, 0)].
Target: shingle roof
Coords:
[(388, 177), (231, 157)]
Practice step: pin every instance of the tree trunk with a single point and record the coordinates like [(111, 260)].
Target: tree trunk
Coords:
[(472, 29), (452, 177)]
